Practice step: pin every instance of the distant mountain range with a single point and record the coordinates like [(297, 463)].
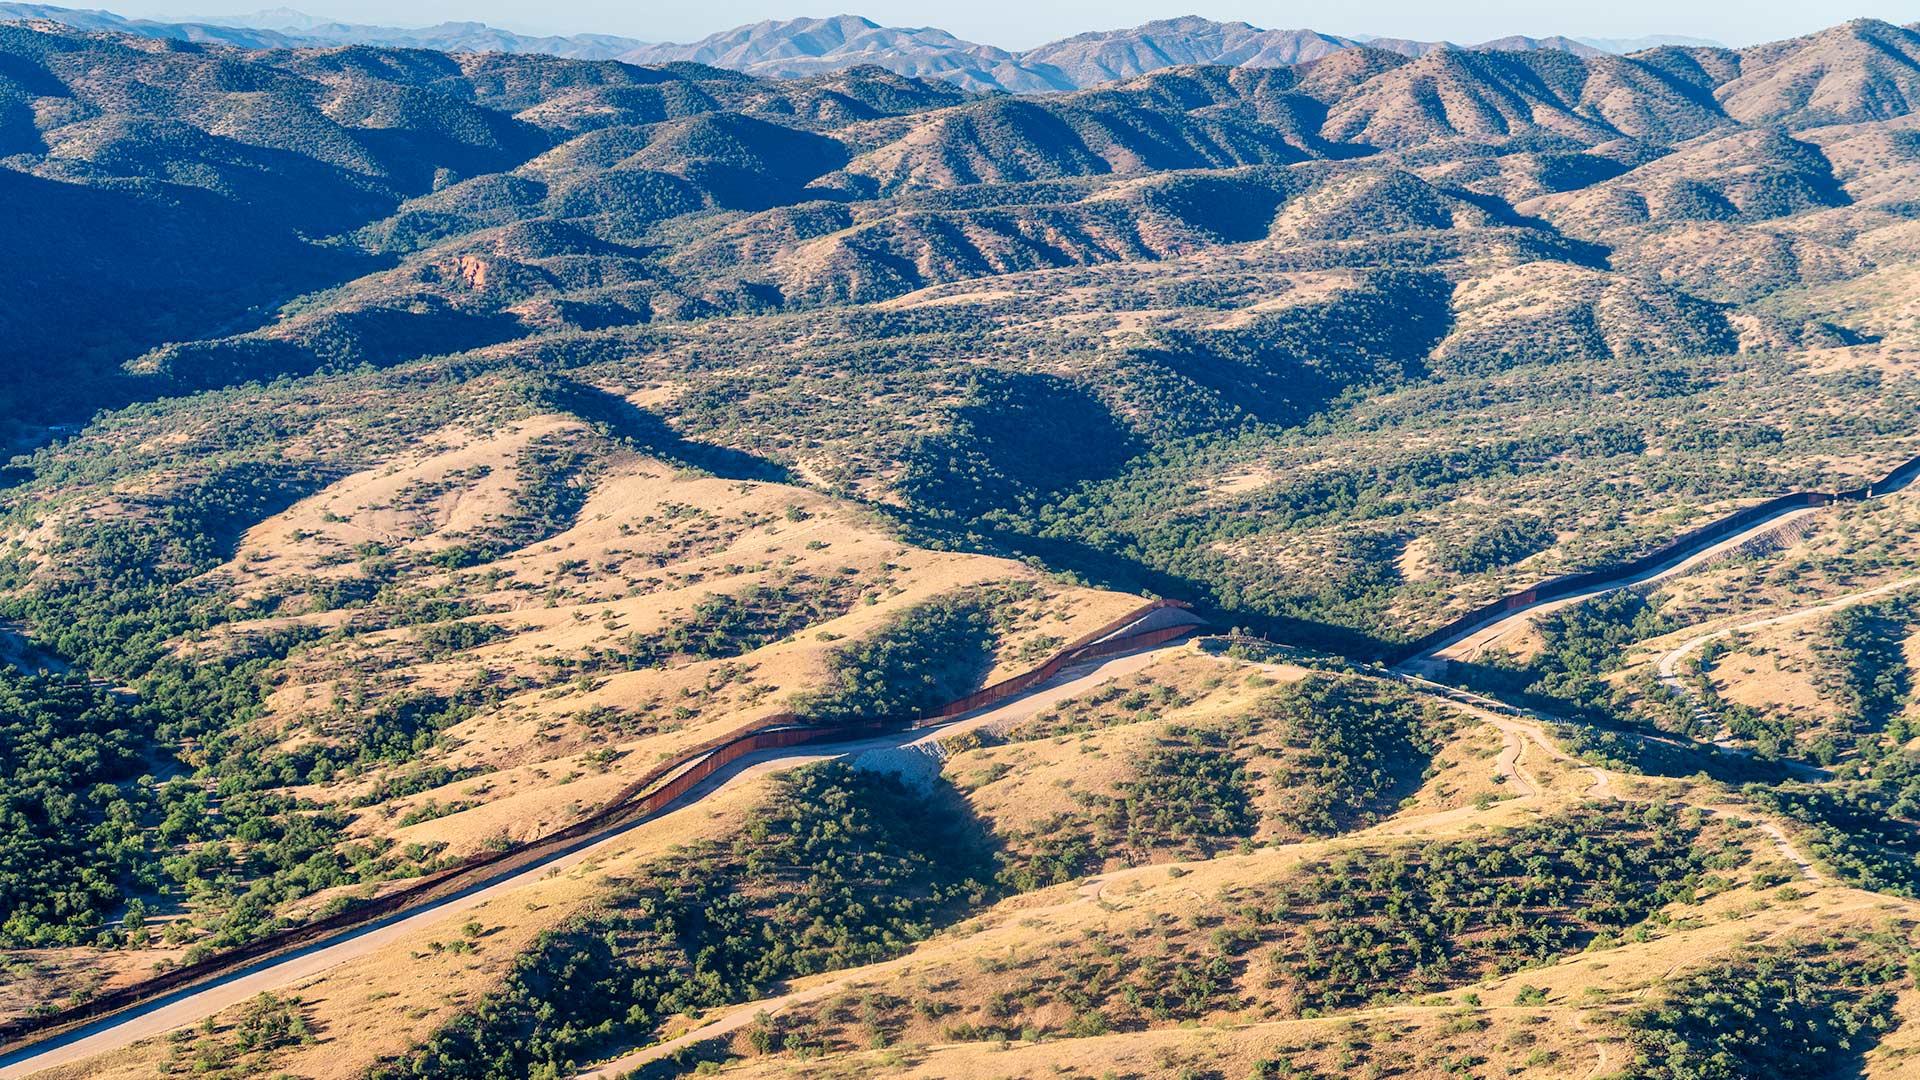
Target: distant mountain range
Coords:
[(793, 48), (283, 28)]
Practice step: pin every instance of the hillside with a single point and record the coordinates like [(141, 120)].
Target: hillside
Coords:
[(1178, 251), (799, 48), (283, 28), (434, 455)]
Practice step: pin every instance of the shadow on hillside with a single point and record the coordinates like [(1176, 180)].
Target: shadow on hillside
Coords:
[(185, 263), (945, 833), (1020, 437), (1619, 745), (1109, 570), (651, 435)]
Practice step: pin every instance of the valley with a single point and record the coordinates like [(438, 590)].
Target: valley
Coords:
[(1301, 557)]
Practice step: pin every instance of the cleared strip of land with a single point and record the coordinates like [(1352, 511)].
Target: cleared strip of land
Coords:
[(191, 1005)]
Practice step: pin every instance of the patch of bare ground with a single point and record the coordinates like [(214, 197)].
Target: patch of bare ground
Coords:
[(1554, 1018), (566, 719)]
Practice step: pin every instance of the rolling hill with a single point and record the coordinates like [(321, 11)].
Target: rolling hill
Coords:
[(798, 48), (419, 452)]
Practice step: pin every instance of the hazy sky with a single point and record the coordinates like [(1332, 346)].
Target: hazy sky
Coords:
[(1018, 24)]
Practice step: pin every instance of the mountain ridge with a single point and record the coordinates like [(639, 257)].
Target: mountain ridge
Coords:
[(402, 152), (289, 29), (801, 47), (420, 450)]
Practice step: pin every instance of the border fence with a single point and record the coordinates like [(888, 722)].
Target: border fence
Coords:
[(648, 795), (1680, 548)]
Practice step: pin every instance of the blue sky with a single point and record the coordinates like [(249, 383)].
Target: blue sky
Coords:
[(1018, 24)]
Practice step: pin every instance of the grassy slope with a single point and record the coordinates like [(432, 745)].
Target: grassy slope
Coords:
[(1563, 1018)]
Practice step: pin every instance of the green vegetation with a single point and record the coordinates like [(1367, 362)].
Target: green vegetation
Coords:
[(1580, 643), (1352, 749), (117, 590), (1381, 927), (1493, 546), (552, 481), (1186, 792), (1190, 797), (839, 868), (725, 625), (1336, 753), (1806, 1014), (931, 654), (1139, 699), (1418, 921), (1318, 349), (1862, 647), (1854, 831), (265, 1024), (74, 831), (111, 598)]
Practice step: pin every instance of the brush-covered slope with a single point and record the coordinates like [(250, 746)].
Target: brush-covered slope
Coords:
[(1508, 906), (801, 47), (488, 606), (1181, 231), (1104, 56), (1748, 176), (798, 47), (1548, 96), (1862, 70), (417, 447)]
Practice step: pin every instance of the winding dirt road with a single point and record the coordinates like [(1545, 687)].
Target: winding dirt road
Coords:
[(895, 753), (191, 1005), (1472, 645), (1521, 736), (1522, 730), (1669, 665)]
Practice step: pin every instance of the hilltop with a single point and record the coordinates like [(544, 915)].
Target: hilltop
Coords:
[(419, 448), (797, 48)]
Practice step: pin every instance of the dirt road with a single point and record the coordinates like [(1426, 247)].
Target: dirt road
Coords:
[(191, 1005), (1471, 645), (1669, 665)]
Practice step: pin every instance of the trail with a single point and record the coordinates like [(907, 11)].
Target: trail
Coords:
[(1669, 664), (186, 1007), (1473, 644), (1521, 735), (1792, 853), (1520, 727), (1518, 735), (1529, 733)]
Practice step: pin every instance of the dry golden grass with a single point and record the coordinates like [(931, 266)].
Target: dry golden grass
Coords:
[(1780, 676), (649, 545), (453, 485), (1486, 777), (1404, 1041), (1564, 1027), (380, 1005)]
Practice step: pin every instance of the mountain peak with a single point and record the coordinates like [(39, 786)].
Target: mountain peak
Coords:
[(1860, 70)]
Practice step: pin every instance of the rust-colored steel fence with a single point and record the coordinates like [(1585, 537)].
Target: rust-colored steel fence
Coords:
[(649, 794), (1681, 547)]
